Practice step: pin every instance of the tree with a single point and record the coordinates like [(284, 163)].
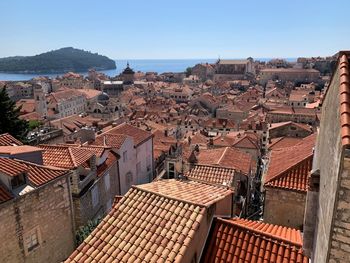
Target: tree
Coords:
[(188, 72), (9, 117)]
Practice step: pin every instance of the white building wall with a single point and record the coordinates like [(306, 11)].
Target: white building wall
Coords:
[(144, 157)]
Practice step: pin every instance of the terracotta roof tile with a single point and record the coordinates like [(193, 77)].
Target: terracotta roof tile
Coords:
[(138, 134), (8, 140), (11, 167), (65, 156), (112, 140), (289, 167), (37, 174), (212, 174), (283, 142), (191, 191), (344, 98), (142, 226), (226, 157), (5, 195), (242, 240)]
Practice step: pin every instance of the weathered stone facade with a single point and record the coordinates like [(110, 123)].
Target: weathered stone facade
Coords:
[(97, 200), (44, 213), (284, 207)]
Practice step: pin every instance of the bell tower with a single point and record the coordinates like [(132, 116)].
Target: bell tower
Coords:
[(40, 101)]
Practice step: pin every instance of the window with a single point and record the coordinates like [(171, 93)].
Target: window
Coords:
[(17, 181), (171, 170), (94, 196), (107, 181), (31, 240)]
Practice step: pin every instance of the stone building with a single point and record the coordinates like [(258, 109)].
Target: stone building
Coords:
[(128, 75), (233, 69), (204, 71), (327, 228), (289, 74), (289, 129), (36, 213), (166, 220), (94, 179), (285, 184)]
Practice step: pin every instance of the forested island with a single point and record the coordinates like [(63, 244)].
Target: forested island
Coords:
[(57, 61)]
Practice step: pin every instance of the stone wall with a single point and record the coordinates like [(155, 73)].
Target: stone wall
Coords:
[(340, 242), (284, 207), (327, 159), (103, 191), (45, 212), (288, 131)]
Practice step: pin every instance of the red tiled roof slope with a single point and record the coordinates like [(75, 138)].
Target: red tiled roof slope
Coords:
[(112, 140), (344, 98), (64, 156), (283, 160), (8, 140), (5, 195), (11, 167), (186, 190), (295, 178), (37, 174), (138, 134), (226, 157), (142, 227), (241, 240), (212, 174)]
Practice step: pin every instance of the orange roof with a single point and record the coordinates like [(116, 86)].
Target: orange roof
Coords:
[(8, 140), (212, 174), (138, 134), (226, 157), (37, 174), (291, 123), (295, 178), (289, 167), (5, 195), (186, 190), (112, 140), (283, 142), (18, 149), (142, 227), (111, 159), (242, 240), (344, 90), (246, 142), (11, 167), (64, 156)]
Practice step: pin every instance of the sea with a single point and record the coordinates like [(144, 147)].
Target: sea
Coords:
[(144, 65)]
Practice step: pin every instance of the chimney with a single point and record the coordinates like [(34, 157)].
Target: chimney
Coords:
[(211, 141), (166, 132), (104, 140)]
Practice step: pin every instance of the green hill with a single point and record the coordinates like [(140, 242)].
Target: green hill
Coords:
[(57, 61)]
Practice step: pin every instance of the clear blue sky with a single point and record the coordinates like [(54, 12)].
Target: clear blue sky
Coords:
[(176, 29)]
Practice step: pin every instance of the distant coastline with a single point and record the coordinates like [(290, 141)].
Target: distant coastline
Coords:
[(144, 65)]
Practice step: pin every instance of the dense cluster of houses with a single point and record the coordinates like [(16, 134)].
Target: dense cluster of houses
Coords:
[(241, 161)]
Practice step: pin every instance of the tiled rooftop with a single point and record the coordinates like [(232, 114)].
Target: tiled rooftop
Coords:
[(344, 90), (142, 227), (241, 240), (11, 167), (112, 140), (138, 134), (8, 140), (5, 195), (64, 156), (37, 174), (226, 157), (283, 142), (186, 190), (212, 174), (289, 167)]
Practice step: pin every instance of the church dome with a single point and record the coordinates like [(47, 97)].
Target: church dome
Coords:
[(103, 97), (128, 70)]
